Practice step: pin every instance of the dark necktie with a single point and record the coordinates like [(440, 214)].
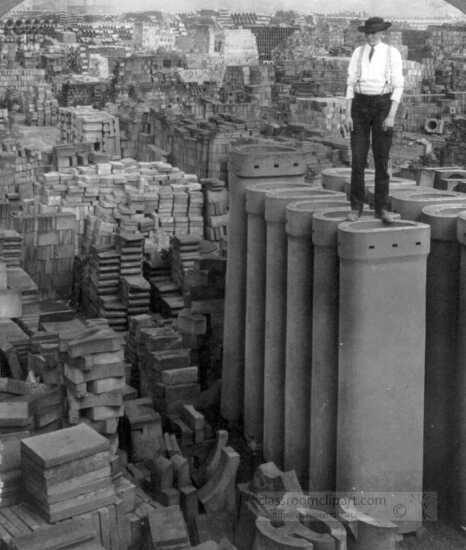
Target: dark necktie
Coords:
[(371, 53)]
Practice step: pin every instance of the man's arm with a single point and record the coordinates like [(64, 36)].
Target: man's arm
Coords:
[(350, 83), (398, 85)]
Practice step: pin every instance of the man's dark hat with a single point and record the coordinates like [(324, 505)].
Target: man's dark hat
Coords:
[(374, 24)]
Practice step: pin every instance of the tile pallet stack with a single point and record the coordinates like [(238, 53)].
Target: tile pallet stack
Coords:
[(88, 125), (101, 296), (135, 294), (216, 201), (94, 378), (28, 290), (136, 323), (324, 113), (44, 360), (130, 247), (40, 106), (20, 79), (10, 468), (67, 472), (185, 251), (49, 250), (12, 334), (166, 374)]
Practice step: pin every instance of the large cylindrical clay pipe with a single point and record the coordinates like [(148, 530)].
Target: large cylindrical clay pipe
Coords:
[(461, 378), (410, 204), (249, 165), (255, 307), (443, 280), (324, 382), (298, 351), (381, 359), (275, 317)]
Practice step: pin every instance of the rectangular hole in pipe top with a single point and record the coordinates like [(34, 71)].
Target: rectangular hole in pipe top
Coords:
[(371, 246), (418, 243), (276, 165), (256, 166), (395, 245)]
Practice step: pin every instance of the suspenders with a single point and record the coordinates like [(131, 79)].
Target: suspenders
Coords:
[(388, 70)]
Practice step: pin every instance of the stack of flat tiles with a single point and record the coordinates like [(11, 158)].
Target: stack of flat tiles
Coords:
[(185, 251), (76, 534), (103, 273), (130, 247), (44, 361), (49, 250), (40, 106), (67, 472), (11, 486), (166, 296), (95, 380), (166, 375), (21, 282), (25, 405), (12, 334), (135, 294), (11, 247), (216, 216), (115, 313), (136, 323), (151, 339)]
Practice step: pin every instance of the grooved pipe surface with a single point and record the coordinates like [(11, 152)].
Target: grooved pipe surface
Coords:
[(249, 165), (381, 358), (275, 318), (460, 401), (324, 386), (443, 274), (255, 307), (299, 299)]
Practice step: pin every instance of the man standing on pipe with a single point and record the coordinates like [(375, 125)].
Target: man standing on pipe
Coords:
[(374, 89)]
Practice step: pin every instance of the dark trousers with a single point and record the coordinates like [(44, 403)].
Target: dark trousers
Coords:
[(368, 114)]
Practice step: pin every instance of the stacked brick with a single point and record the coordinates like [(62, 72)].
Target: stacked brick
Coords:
[(113, 284), (94, 375), (185, 251), (67, 472), (17, 175), (88, 125), (216, 209), (413, 73), (4, 121), (40, 106), (14, 340), (20, 80), (19, 297), (455, 153), (49, 250), (10, 469), (150, 197), (166, 374), (325, 113)]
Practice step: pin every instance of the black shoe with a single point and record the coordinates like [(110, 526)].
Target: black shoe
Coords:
[(352, 216), (387, 217)]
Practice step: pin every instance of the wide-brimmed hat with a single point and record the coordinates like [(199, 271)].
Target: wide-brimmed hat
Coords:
[(374, 24)]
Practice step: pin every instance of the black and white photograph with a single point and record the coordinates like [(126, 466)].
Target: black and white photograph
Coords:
[(232, 275)]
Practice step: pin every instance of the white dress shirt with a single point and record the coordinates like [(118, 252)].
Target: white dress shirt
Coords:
[(370, 77)]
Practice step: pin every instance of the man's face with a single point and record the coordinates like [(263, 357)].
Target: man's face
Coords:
[(373, 38)]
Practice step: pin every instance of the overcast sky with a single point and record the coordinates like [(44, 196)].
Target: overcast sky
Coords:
[(407, 8)]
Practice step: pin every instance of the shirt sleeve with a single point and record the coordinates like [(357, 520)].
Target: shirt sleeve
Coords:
[(397, 75), (352, 73)]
